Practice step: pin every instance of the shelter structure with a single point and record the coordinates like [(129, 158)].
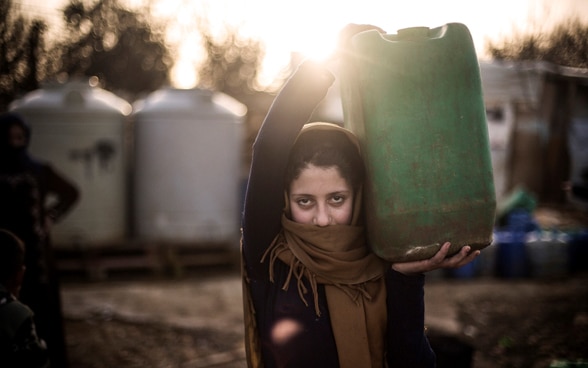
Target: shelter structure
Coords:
[(537, 116)]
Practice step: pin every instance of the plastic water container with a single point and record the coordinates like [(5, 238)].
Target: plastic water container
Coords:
[(511, 254), (548, 255), (414, 99), (466, 271), (578, 251), (187, 172), (487, 261), (81, 130)]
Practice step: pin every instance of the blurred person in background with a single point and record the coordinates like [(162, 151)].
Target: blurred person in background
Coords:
[(19, 344), (25, 184)]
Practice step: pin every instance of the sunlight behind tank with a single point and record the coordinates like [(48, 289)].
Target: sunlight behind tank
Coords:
[(80, 129), (187, 167)]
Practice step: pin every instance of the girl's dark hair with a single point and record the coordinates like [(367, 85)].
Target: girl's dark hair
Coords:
[(326, 148)]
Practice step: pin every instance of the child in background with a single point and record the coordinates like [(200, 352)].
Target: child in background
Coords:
[(19, 343)]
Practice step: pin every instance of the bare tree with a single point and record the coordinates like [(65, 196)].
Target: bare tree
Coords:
[(232, 61), (21, 42), (566, 45), (122, 47)]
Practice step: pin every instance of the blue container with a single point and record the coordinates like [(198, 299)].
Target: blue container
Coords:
[(511, 254), (487, 261), (548, 255), (467, 271), (521, 220), (578, 251)]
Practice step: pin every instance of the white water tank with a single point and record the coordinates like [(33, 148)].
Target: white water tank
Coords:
[(187, 167), (80, 130)]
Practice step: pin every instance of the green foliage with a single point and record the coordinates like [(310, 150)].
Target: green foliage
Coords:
[(566, 45), (21, 42), (119, 46)]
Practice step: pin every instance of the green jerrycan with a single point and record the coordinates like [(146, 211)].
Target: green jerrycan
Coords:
[(414, 99)]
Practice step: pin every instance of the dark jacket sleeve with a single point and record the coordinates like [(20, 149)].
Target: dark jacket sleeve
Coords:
[(26, 348), (408, 345), (30, 351), (264, 200)]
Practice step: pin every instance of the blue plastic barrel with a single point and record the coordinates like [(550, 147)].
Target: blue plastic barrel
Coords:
[(548, 255), (467, 271), (578, 251), (511, 254)]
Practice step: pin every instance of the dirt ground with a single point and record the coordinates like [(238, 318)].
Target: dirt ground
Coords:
[(196, 321)]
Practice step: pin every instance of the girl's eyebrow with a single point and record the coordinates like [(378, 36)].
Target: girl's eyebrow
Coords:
[(301, 194), (340, 192), (343, 191)]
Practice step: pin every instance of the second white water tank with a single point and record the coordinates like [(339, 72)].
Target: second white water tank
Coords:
[(187, 167)]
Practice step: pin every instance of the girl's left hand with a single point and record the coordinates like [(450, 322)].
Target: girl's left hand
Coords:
[(439, 260)]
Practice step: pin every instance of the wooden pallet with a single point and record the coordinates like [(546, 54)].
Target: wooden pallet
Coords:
[(159, 259)]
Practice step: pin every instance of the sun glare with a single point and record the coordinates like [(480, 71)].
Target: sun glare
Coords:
[(309, 28), (318, 47), (284, 34), (184, 74)]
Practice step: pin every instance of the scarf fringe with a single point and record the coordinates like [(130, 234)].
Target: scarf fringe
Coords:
[(299, 271)]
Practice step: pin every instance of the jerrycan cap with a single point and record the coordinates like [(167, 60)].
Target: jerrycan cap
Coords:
[(413, 33)]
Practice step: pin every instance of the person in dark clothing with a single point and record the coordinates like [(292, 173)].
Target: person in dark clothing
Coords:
[(25, 185), (314, 294), (19, 344)]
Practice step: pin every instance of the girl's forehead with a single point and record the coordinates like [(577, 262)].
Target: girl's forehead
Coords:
[(319, 179)]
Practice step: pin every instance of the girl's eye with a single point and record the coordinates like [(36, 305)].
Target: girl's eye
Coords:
[(337, 199), (304, 202)]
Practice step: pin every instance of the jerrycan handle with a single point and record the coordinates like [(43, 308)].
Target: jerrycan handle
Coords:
[(413, 34)]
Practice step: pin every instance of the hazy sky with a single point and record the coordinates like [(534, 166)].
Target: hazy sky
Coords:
[(311, 26)]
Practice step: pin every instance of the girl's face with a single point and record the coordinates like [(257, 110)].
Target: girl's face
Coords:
[(321, 196)]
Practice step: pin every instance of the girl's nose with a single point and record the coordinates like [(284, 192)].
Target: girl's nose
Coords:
[(322, 217)]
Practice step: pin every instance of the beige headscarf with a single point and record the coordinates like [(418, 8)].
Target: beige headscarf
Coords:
[(338, 257)]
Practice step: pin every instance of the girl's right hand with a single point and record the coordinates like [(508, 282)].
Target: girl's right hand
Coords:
[(439, 260)]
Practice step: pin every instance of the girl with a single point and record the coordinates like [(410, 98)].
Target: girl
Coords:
[(314, 294)]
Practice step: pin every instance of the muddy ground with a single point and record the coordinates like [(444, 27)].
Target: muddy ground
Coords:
[(196, 321), (145, 320)]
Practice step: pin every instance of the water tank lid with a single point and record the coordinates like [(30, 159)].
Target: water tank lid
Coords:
[(71, 96), (192, 102)]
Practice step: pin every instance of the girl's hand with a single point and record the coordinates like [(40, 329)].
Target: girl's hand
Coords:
[(439, 260)]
